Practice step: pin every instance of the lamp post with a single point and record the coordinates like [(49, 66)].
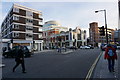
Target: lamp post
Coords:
[(105, 23)]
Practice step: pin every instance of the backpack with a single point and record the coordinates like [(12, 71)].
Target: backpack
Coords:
[(110, 52)]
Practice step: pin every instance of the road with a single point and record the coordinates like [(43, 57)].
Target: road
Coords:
[(52, 64)]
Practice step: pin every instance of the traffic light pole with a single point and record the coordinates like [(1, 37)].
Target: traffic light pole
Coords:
[(106, 27), (105, 23)]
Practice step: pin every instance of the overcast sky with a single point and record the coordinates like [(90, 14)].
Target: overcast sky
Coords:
[(71, 14)]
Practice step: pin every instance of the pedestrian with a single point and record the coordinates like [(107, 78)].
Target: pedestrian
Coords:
[(110, 55), (19, 59)]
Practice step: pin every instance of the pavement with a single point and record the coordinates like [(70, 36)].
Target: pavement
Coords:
[(101, 70), (62, 51)]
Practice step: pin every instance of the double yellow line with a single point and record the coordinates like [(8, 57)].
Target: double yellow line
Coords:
[(92, 67)]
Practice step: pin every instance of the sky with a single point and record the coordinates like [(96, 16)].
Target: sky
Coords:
[(71, 14)]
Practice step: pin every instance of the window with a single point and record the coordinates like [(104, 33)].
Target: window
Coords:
[(40, 22), (29, 21), (73, 36), (8, 24), (15, 26), (16, 10), (29, 27), (28, 35), (40, 15), (40, 29), (67, 37), (15, 34), (40, 35), (28, 13), (15, 18)]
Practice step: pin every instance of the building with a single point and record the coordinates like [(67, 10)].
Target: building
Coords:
[(64, 38), (94, 33), (96, 38), (77, 37), (117, 36), (119, 22), (51, 28), (23, 26)]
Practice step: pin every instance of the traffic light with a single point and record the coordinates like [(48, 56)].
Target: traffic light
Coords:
[(102, 31)]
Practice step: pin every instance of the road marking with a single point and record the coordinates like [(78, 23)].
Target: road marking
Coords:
[(92, 67)]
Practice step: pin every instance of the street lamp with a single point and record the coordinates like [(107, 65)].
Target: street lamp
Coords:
[(105, 23)]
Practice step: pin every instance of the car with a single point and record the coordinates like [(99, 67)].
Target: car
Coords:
[(102, 46), (12, 52), (114, 46), (84, 47), (118, 47), (91, 47)]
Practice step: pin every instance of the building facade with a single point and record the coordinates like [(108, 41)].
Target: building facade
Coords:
[(117, 36), (55, 35), (50, 29), (23, 26), (96, 38)]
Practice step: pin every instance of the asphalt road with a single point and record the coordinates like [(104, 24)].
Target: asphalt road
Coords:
[(52, 64)]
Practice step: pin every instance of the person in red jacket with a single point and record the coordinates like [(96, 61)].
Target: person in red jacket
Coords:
[(110, 55)]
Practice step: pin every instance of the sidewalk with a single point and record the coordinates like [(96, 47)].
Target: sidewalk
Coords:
[(101, 71), (43, 51), (62, 51), (65, 52)]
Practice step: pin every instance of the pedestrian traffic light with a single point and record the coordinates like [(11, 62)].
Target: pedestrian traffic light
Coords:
[(102, 31)]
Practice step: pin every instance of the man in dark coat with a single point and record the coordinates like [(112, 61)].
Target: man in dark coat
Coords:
[(19, 59), (111, 59)]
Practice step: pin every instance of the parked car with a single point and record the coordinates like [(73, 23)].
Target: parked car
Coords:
[(13, 51), (102, 46), (91, 47), (118, 47), (84, 47)]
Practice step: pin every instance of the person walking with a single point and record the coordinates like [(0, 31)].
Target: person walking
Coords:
[(19, 59), (110, 55)]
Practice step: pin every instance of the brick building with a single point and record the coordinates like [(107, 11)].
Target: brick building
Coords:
[(96, 38)]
